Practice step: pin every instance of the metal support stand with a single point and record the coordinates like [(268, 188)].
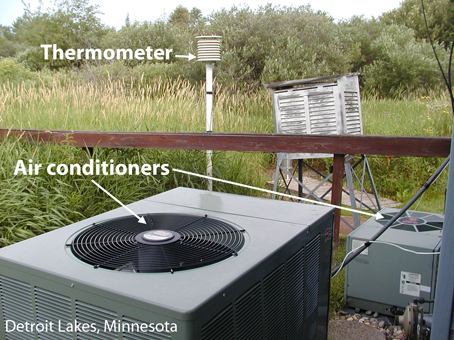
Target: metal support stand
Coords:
[(351, 175), (209, 119)]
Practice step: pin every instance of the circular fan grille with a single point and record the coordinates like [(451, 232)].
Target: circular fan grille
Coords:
[(414, 221), (123, 243)]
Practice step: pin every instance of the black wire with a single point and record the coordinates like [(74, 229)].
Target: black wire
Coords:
[(448, 78), (426, 186), (449, 73)]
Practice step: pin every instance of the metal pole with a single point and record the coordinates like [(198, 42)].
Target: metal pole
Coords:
[(209, 118), (444, 294)]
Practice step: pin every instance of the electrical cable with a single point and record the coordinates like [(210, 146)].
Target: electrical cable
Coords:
[(354, 253), (447, 78), (407, 250), (387, 243)]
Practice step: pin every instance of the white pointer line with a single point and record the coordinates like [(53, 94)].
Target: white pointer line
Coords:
[(189, 56), (141, 219), (377, 215)]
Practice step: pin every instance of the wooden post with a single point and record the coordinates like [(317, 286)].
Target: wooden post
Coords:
[(336, 194)]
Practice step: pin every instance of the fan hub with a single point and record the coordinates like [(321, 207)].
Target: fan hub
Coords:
[(411, 220), (158, 237)]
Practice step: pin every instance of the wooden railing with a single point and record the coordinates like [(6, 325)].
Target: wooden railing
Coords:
[(338, 145)]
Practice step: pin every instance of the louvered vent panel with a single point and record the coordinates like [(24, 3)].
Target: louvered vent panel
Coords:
[(16, 300), (352, 113), (284, 305), (89, 314), (322, 112), (134, 333), (249, 315), (312, 278), (294, 268), (274, 292), (220, 327), (53, 308), (292, 112)]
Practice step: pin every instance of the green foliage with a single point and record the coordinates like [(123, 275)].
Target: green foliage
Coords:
[(71, 24), (275, 43), (259, 46), (440, 19), (8, 48), (10, 71), (401, 64)]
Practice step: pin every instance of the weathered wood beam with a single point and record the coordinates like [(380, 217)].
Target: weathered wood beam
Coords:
[(331, 144)]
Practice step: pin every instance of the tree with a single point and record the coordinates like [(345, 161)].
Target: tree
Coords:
[(439, 14), (70, 24), (401, 63), (192, 21), (277, 43), (8, 48)]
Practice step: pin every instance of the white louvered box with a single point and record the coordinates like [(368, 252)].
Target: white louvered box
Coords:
[(324, 106)]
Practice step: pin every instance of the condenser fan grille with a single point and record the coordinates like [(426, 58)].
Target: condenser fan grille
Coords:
[(414, 221), (166, 243)]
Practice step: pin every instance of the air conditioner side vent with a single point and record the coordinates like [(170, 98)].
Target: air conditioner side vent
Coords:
[(312, 279), (295, 297), (283, 305), (274, 287), (53, 308), (249, 314), (16, 303), (90, 314), (220, 326)]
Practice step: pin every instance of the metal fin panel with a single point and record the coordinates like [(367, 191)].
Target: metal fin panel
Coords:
[(55, 308), (312, 279), (284, 305), (274, 289), (292, 112), (16, 303), (249, 319), (97, 316), (221, 326)]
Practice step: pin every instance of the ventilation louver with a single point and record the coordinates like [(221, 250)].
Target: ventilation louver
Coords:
[(167, 242)]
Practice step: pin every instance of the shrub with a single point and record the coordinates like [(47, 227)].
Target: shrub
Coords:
[(401, 64)]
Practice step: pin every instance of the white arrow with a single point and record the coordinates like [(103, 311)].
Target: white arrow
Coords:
[(141, 219), (189, 56), (377, 215)]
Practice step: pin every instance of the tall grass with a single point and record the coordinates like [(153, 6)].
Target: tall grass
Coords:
[(400, 178), (115, 106), (35, 204)]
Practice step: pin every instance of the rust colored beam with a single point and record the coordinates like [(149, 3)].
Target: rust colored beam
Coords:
[(336, 194), (331, 144)]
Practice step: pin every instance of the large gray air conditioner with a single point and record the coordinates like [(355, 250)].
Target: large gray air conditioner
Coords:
[(384, 278), (205, 265)]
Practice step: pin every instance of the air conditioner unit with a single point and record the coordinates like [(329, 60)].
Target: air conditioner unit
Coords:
[(384, 278), (206, 266)]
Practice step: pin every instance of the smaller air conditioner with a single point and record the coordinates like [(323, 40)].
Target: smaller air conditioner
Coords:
[(384, 278), (206, 266)]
